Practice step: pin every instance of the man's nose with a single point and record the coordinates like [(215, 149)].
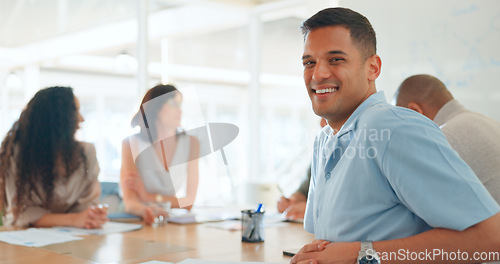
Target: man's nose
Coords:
[(321, 71)]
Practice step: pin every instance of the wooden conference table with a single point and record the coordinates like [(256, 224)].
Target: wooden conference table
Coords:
[(171, 243)]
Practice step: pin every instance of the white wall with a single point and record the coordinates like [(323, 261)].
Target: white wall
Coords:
[(456, 41)]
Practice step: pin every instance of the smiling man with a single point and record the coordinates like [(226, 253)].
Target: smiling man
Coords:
[(386, 186)]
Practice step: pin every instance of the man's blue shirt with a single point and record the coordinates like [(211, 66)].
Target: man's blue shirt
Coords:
[(390, 173)]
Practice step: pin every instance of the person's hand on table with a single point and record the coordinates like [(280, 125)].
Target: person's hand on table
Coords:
[(283, 204), (151, 212), (325, 252), (92, 217), (296, 211)]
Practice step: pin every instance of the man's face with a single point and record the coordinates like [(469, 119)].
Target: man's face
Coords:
[(335, 74)]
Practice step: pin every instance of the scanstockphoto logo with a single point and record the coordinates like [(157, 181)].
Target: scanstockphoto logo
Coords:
[(162, 162), (439, 255), (361, 144)]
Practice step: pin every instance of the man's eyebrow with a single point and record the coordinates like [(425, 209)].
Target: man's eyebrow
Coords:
[(337, 52), (330, 52)]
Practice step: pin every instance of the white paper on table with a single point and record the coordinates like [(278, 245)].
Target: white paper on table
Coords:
[(156, 262), (107, 228), (36, 237), (201, 261), (273, 220), (183, 216)]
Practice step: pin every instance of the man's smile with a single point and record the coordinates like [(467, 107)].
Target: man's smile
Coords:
[(325, 90)]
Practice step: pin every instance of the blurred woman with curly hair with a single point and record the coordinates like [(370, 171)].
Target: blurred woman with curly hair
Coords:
[(47, 178)]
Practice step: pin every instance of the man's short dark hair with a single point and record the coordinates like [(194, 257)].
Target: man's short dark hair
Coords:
[(362, 33)]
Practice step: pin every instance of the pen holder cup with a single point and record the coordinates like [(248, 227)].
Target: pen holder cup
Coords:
[(252, 226)]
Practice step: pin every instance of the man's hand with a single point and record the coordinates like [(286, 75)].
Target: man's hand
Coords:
[(324, 252), (315, 246)]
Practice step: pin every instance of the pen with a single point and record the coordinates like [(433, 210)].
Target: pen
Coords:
[(256, 223), (251, 232), (249, 225), (259, 208), (255, 227)]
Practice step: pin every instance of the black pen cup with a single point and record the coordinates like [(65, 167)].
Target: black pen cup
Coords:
[(252, 226)]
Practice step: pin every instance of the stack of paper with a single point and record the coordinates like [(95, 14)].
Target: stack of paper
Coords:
[(181, 216), (40, 237), (36, 237)]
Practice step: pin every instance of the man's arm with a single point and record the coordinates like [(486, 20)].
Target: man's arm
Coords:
[(434, 246), (482, 237)]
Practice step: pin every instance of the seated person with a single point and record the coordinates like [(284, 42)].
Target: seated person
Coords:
[(383, 178), (47, 178), (472, 135), (159, 164), (295, 205)]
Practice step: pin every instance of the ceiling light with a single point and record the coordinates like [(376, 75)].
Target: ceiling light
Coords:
[(13, 81), (125, 63)]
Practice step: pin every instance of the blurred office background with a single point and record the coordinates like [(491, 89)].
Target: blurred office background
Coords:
[(240, 61)]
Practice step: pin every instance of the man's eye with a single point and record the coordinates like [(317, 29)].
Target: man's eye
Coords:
[(336, 60), (308, 64)]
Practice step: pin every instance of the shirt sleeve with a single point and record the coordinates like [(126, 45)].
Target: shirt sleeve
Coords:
[(431, 180), (30, 215), (91, 193)]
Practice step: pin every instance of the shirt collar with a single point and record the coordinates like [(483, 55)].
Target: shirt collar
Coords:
[(376, 98), (447, 111)]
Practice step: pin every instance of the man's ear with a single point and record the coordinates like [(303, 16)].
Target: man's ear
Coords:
[(374, 67), (415, 107)]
